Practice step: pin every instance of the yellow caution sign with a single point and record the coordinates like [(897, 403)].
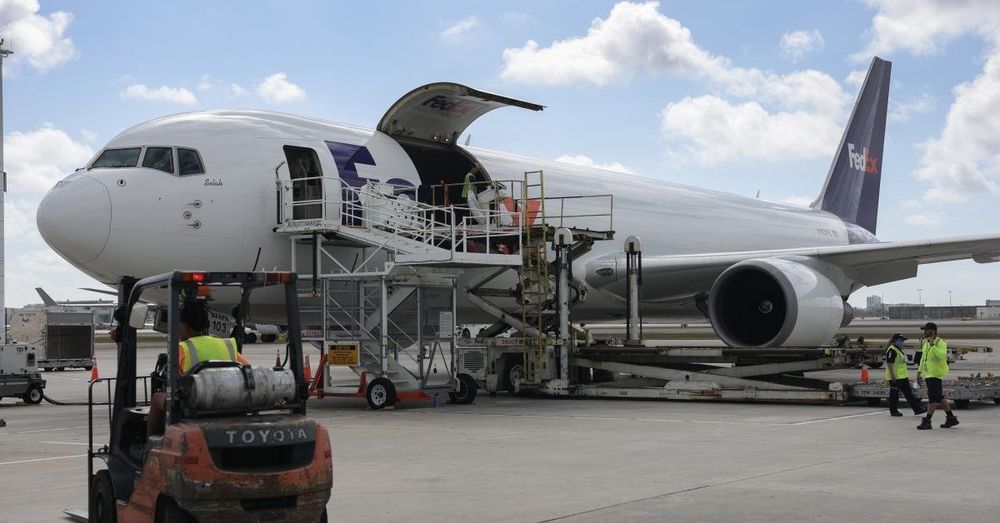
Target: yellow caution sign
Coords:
[(343, 354)]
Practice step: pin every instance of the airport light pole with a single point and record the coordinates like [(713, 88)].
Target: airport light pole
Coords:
[(4, 53), (949, 298), (920, 296)]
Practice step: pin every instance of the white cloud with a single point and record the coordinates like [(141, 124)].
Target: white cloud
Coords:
[(19, 220), (586, 161), (801, 110), (716, 131), (634, 38), (856, 78), (39, 39), (963, 160), (455, 32), (515, 16), (923, 26), (796, 44), (277, 89), (209, 84), (923, 219), (177, 95), (902, 110), (205, 83), (36, 160), (911, 205)]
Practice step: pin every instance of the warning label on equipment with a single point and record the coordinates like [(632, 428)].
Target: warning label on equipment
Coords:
[(343, 354)]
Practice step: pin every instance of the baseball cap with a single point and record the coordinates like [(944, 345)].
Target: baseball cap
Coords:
[(929, 326), (897, 336)]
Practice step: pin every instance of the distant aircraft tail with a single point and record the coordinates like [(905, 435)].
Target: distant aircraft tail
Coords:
[(46, 299), (852, 185)]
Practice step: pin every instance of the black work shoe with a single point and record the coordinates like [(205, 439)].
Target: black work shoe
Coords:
[(925, 425), (895, 413), (949, 423)]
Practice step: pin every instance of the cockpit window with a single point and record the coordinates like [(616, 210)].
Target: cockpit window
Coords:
[(114, 158), (189, 162), (161, 158)]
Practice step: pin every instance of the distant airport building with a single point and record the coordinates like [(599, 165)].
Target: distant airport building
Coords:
[(993, 303), (921, 312), (874, 303), (990, 312)]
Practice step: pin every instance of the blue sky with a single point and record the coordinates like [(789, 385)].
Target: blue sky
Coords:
[(644, 86)]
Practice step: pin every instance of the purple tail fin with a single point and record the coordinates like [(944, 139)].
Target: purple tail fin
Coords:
[(852, 185)]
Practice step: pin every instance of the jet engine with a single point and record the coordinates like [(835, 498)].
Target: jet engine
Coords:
[(775, 303)]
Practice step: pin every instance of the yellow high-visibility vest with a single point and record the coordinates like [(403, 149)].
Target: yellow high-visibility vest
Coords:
[(934, 361), (206, 348), (898, 366)]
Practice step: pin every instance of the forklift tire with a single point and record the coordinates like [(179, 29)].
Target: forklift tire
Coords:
[(250, 339), (268, 338), (102, 496), (962, 404), (88, 367), (33, 396), (467, 388), (873, 402), (381, 394)]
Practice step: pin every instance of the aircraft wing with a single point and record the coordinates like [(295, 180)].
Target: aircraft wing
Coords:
[(868, 264)]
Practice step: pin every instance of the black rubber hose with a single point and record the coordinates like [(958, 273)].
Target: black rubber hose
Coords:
[(71, 403)]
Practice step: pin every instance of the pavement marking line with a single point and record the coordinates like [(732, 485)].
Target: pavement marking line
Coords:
[(41, 459), (837, 418), (65, 443), (722, 483), (670, 420)]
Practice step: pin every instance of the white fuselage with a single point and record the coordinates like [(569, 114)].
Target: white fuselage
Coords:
[(136, 221)]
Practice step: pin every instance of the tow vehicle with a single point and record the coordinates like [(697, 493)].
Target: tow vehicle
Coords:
[(235, 445)]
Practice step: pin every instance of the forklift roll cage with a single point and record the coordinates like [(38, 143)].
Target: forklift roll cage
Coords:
[(182, 285)]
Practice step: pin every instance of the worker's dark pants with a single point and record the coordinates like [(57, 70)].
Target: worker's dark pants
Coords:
[(895, 386)]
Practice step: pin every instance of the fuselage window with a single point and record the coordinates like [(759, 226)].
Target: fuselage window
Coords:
[(189, 162), (116, 158), (161, 158)]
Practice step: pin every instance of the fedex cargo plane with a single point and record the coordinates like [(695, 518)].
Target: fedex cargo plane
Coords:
[(197, 191)]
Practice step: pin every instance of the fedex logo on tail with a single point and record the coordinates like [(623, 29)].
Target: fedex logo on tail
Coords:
[(861, 161)]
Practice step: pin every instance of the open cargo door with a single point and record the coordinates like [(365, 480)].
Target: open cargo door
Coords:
[(441, 111)]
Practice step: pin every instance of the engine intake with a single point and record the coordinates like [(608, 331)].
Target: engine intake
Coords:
[(773, 303)]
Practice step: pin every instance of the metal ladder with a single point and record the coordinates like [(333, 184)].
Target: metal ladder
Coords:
[(535, 285)]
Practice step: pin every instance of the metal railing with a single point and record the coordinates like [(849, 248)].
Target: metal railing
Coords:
[(387, 208)]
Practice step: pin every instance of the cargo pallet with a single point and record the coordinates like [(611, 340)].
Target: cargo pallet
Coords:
[(961, 391)]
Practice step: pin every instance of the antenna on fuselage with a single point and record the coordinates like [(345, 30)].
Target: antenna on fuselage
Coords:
[(4, 53)]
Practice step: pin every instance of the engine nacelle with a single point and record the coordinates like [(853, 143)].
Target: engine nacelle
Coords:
[(773, 303)]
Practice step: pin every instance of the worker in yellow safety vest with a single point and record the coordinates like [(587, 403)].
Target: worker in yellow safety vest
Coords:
[(195, 346), (898, 377), (933, 369)]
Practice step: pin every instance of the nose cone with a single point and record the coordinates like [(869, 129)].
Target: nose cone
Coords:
[(74, 218)]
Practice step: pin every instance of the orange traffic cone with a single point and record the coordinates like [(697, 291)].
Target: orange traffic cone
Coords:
[(864, 373), (308, 370), (94, 375), (277, 358)]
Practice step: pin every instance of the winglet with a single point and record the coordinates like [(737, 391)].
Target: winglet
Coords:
[(851, 190)]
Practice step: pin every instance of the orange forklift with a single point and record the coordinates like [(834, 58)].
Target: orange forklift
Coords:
[(235, 443)]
